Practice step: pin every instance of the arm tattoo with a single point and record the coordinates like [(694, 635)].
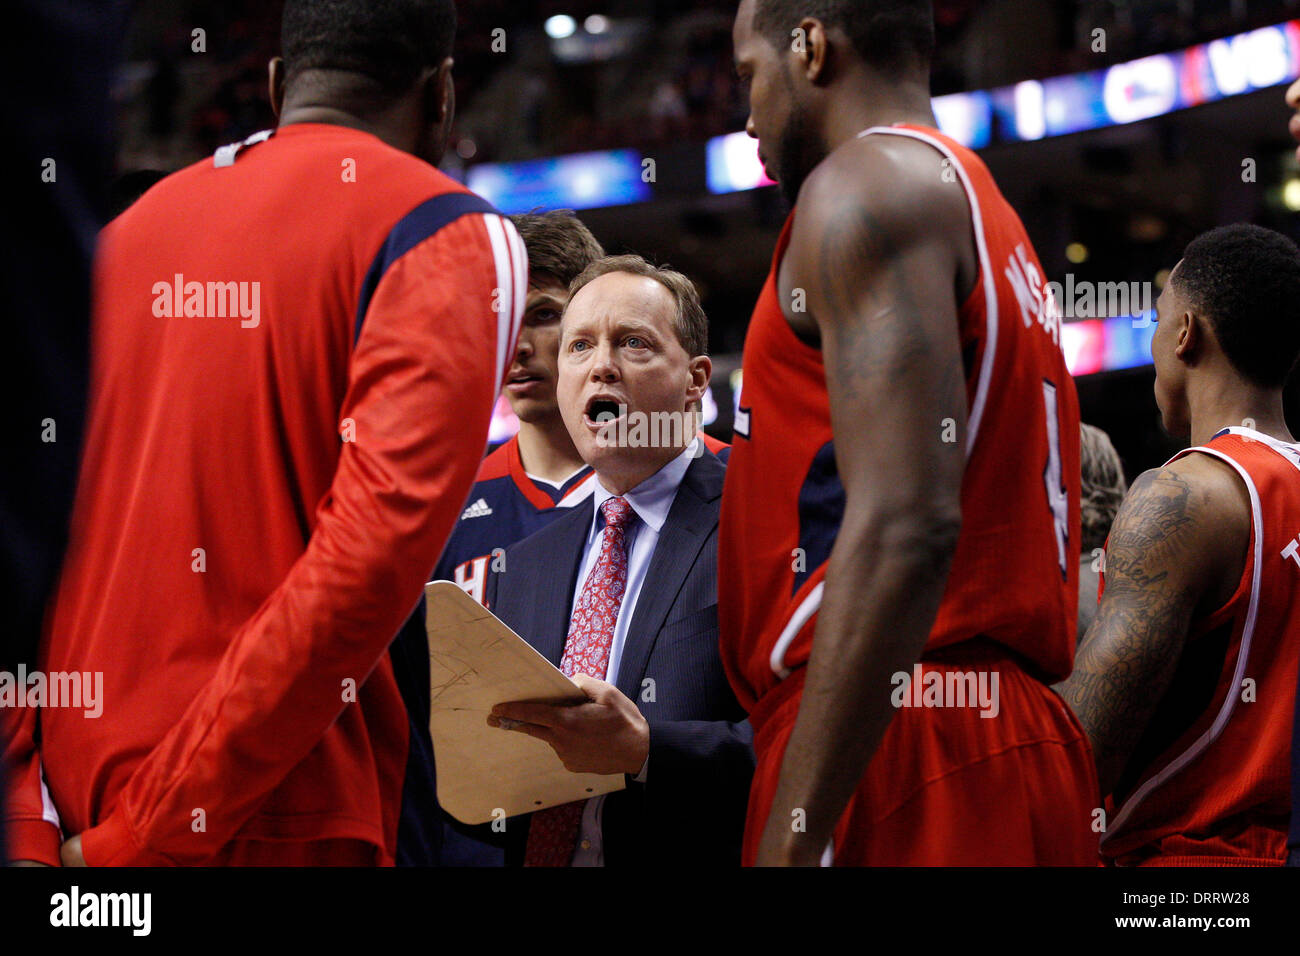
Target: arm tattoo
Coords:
[(1131, 652)]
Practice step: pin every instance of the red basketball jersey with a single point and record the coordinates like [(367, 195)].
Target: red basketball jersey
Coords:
[(1215, 782), (1014, 576)]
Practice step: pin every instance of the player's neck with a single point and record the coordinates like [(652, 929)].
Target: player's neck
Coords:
[(887, 104), (1226, 404), (547, 451), (383, 127)]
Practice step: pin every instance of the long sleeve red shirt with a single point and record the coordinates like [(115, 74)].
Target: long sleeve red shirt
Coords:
[(295, 355)]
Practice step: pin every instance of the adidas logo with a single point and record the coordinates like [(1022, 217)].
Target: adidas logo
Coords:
[(478, 509)]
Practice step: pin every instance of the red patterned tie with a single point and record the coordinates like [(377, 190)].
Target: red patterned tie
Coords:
[(554, 831)]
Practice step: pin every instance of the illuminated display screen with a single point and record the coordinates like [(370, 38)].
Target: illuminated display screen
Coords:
[(733, 164), (966, 117), (1149, 87), (1124, 93), (1107, 345), (579, 181)]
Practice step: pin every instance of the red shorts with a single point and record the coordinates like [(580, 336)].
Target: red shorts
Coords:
[(948, 787), (1231, 842)]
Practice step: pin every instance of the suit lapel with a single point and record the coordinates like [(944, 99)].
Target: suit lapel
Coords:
[(689, 522)]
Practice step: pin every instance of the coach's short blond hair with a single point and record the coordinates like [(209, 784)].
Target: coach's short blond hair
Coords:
[(690, 324)]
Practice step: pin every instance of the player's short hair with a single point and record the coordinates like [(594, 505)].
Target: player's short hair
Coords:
[(388, 41), (1103, 488), (559, 245), (1246, 280), (691, 324), (889, 35)]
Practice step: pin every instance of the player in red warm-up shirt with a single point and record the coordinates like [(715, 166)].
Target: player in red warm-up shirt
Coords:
[(297, 345), (904, 481)]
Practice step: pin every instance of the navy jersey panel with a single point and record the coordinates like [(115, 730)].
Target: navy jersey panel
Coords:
[(498, 514)]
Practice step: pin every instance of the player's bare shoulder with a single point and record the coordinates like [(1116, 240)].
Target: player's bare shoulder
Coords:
[(1218, 491), (865, 203), (900, 183), (1194, 511)]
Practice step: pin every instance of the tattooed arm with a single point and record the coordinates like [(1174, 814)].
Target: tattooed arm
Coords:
[(882, 246), (1176, 552)]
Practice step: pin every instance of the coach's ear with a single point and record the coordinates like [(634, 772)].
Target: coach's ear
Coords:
[(700, 371), (275, 78)]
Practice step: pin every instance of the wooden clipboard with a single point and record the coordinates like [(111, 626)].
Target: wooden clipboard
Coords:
[(476, 662)]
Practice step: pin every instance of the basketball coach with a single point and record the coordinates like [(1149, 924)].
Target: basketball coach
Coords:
[(622, 593)]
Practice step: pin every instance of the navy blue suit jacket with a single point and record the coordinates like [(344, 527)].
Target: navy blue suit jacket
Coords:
[(692, 807)]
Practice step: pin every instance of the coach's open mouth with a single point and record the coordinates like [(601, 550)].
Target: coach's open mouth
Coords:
[(602, 410)]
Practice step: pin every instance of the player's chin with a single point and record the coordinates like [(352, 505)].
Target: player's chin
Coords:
[(532, 411)]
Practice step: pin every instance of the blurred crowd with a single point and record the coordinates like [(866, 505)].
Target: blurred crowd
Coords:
[(672, 82)]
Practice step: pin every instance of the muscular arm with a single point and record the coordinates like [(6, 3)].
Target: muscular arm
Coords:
[(881, 284), (1179, 537)]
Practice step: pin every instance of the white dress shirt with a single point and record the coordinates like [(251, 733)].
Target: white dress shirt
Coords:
[(651, 501)]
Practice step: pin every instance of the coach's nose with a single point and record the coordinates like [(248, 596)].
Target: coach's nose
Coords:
[(603, 366)]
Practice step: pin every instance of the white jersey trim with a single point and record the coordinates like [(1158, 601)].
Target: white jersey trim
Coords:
[(1202, 743), (578, 493), (986, 268), (511, 260), (1290, 452), (49, 812), (806, 609)]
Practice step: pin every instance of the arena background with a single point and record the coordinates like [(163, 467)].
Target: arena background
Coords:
[(561, 104)]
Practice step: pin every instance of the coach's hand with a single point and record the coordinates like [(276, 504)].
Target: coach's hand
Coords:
[(607, 734), (1293, 101), (71, 852)]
